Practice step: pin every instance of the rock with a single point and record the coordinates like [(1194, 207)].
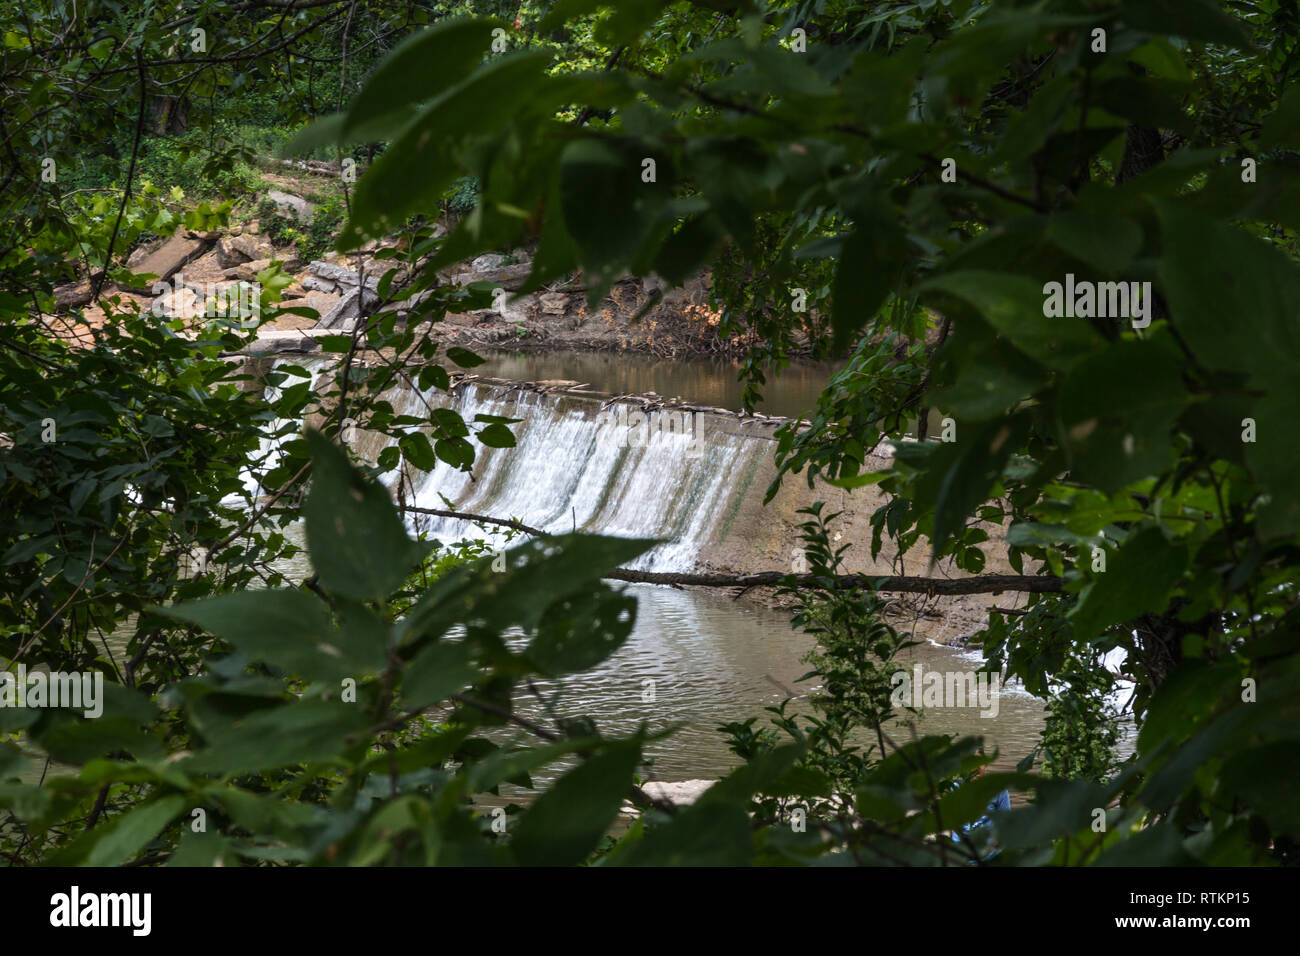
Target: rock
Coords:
[(654, 283), (554, 303), (247, 271), (232, 250), (180, 303), (341, 278), (461, 319), (207, 267), (288, 205), (204, 287), (140, 253), (681, 792), (314, 283), (322, 302), (507, 309), (317, 301), (271, 341), (486, 262), (165, 261), (507, 277), (73, 295), (344, 315)]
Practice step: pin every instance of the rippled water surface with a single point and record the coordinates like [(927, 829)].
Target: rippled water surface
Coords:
[(714, 659), (699, 380)]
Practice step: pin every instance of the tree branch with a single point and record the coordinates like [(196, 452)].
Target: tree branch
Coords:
[(977, 584)]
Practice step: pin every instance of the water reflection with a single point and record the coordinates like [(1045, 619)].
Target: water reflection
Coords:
[(713, 660), (699, 380)]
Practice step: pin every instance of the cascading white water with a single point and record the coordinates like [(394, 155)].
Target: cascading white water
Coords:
[(572, 469), (281, 430), (569, 470)]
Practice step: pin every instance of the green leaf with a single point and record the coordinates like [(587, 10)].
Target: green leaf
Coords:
[(1265, 777), (606, 208), (1013, 305), (1282, 126), (1212, 271), (580, 631), (117, 840), (989, 378), (448, 423), (358, 544), (710, 834), (867, 272), (203, 848), (1119, 407), (288, 628), (568, 820), (759, 775), (970, 801), (456, 452), (1103, 240), (1158, 845), (419, 68), (325, 131), (416, 449), (12, 760), (688, 249), (1138, 579), (435, 673), (538, 572), (307, 731), (1193, 19), (464, 357), (959, 475), (418, 166), (81, 492), (434, 376), (509, 764), (497, 436)]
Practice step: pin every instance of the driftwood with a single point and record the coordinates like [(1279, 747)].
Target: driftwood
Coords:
[(976, 584)]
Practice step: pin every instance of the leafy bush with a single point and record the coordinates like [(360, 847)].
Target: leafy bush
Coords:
[(322, 229), (281, 229), (463, 196)]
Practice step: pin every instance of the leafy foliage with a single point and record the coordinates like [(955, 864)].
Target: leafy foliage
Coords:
[(933, 166)]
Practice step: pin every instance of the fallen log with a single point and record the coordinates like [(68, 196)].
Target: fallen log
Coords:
[(975, 584)]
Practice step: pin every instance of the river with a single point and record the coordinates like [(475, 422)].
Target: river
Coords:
[(709, 659)]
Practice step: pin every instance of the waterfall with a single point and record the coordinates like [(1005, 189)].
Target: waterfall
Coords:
[(281, 430), (575, 467)]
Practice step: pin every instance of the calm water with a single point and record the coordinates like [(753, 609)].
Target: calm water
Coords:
[(713, 660), (701, 381)]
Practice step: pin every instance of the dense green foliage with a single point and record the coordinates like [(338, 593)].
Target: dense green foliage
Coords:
[(922, 170)]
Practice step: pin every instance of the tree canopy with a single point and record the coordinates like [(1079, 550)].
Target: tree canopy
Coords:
[(1068, 228)]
